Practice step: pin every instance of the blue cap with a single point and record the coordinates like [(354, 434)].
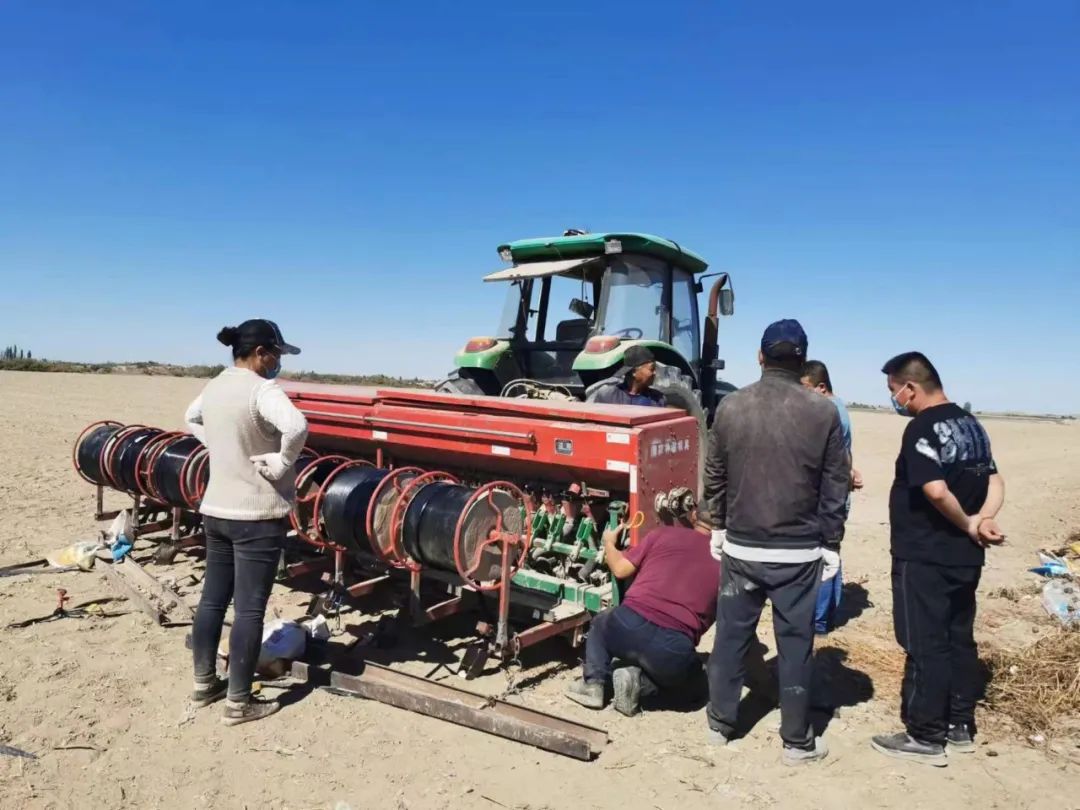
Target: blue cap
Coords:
[(783, 340)]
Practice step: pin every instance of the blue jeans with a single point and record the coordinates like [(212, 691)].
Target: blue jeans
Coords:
[(666, 656), (828, 600)]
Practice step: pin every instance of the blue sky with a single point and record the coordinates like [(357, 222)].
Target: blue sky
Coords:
[(895, 175)]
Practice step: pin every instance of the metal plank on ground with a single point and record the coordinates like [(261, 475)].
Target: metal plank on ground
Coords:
[(470, 709)]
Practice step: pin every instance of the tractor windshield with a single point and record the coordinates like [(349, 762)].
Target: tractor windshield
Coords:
[(634, 295), (637, 306), (516, 304)]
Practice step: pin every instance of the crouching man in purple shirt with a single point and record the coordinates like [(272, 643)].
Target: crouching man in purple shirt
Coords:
[(655, 631)]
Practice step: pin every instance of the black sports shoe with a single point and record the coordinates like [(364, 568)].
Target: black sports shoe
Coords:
[(904, 746), (210, 692), (960, 739), (252, 709)]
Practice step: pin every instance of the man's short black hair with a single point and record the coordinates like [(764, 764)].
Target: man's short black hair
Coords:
[(914, 367), (785, 356), (818, 374)]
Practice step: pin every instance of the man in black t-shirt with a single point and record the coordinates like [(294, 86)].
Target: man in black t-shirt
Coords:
[(942, 510)]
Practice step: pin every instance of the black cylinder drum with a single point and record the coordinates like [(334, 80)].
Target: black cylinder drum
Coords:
[(126, 454), (345, 504), (166, 475), (88, 454), (429, 523)]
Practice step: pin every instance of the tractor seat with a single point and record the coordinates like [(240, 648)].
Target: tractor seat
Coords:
[(573, 331)]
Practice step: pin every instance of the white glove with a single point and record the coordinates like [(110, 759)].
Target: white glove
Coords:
[(832, 564), (270, 466), (716, 544)]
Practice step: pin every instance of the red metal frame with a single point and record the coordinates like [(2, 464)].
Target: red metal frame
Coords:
[(467, 569), (294, 513), (391, 480), (612, 452), (193, 466), (635, 452)]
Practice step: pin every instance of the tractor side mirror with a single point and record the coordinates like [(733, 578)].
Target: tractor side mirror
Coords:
[(699, 288), (583, 309), (727, 301)]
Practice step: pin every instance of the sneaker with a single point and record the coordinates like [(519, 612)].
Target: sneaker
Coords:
[(904, 746), (626, 683), (589, 695), (804, 756), (207, 693), (254, 709), (960, 740)]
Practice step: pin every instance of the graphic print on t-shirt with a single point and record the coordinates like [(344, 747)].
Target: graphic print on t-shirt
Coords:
[(960, 440)]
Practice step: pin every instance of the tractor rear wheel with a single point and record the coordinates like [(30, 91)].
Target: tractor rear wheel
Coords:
[(678, 390), (457, 384)]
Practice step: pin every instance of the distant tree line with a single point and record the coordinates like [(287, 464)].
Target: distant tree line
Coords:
[(15, 353)]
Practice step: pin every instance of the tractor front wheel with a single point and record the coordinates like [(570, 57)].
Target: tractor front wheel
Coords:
[(678, 390)]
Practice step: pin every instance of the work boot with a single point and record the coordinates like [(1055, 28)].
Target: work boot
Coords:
[(237, 712), (904, 746), (626, 683), (631, 684), (584, 693), (960, 739), (804, 756), (209, 692)]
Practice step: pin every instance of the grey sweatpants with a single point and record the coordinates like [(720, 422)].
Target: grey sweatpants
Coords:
[(744, 586)]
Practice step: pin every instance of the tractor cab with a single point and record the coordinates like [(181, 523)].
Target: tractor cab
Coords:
[(575, 303)]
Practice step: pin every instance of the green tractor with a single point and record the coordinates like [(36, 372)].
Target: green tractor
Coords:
[(577, 302)]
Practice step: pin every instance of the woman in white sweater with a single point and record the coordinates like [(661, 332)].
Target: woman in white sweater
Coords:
[(254, 435)]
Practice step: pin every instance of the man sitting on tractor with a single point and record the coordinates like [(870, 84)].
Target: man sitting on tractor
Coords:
[(633, 384), (655, 631)]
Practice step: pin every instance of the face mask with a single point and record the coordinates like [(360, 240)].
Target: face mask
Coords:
[(900, 409), (272, 373)]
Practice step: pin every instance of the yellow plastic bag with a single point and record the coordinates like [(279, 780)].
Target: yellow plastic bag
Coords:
[(81, 554)]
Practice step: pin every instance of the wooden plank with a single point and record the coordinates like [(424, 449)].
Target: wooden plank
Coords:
[(163, 605), (133, 594), (170, 600), (465, 708)]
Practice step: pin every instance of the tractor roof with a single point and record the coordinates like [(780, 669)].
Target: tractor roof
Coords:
[(585, 245)]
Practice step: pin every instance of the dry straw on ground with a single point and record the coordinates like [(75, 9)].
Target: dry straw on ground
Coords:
[(1038, 687)]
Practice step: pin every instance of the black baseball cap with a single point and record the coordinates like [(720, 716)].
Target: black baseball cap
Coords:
[(784, 340), (637, 356), (261, 332)]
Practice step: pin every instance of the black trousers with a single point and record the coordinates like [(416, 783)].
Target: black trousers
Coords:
[(934, 617), (241, 561), (744, 586), (666, 656)]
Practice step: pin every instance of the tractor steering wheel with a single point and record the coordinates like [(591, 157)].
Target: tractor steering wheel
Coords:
[(630, 333)]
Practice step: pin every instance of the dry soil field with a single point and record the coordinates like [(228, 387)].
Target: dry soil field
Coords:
[(102, 702)]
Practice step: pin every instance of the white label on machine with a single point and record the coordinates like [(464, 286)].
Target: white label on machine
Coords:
[(499, 450), (378, 434), (633, 478), (618, 466), (618, 438)]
